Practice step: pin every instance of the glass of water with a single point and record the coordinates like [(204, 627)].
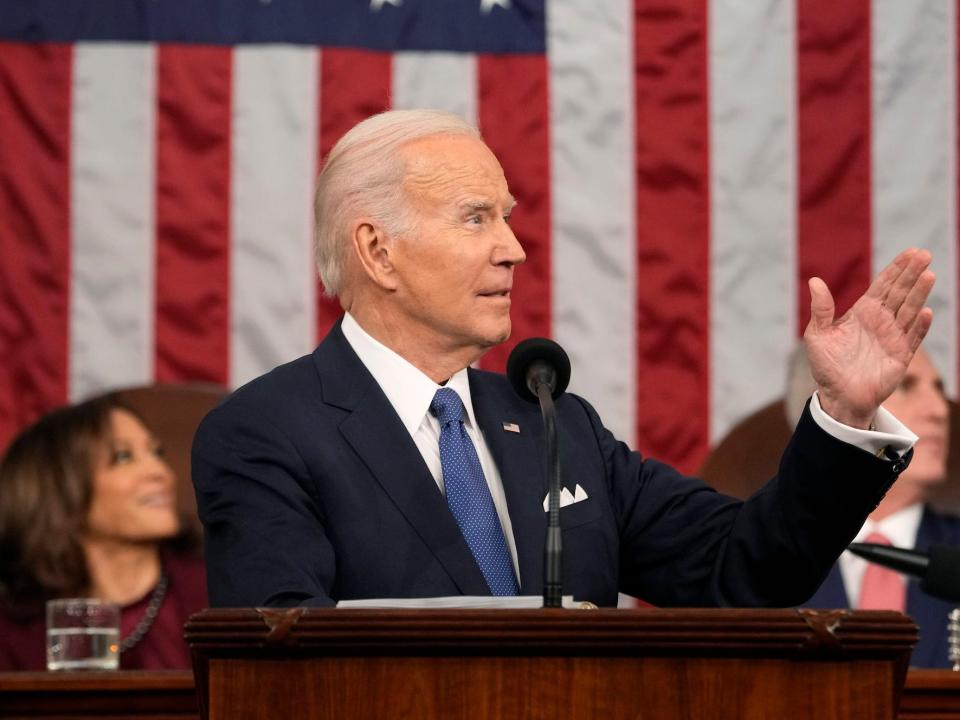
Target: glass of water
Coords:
[(83, 634)]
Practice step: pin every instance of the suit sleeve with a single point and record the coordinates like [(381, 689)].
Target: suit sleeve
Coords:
[(684, 544), (264, 530)]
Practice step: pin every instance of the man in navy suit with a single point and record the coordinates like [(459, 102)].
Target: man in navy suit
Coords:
[(345, 474), (904, 519)]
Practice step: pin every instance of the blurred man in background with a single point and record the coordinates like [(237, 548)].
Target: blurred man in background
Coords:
[(903, 518)]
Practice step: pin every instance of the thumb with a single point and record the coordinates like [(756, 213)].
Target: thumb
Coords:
[(821, 304)]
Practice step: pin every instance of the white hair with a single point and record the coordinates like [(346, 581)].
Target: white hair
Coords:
[(363, 175)]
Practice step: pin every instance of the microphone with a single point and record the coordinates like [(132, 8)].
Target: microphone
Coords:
[(938, 571), (539, 371), (535, 362)]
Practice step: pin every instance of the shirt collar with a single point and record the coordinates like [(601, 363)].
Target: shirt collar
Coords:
[(408, 389), (900, 528)]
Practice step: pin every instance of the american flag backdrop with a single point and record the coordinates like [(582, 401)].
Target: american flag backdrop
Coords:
[(682, 167)]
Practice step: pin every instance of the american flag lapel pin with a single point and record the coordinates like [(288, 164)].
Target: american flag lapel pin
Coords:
[(511, 427)]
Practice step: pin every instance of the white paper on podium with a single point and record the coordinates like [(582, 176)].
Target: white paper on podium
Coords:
[(512, 602)]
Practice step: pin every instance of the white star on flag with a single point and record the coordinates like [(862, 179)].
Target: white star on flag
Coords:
[(487, 5), (375, 5)]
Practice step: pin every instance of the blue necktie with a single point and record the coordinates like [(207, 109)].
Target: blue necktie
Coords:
[(469, 497)]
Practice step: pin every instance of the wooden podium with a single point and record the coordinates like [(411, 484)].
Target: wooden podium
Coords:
[(572, 664)]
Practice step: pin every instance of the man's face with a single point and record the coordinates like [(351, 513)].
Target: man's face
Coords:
[(919, 403), (455, 270)]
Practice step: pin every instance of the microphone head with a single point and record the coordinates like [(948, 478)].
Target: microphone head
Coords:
[(943, 575), (531, 352)]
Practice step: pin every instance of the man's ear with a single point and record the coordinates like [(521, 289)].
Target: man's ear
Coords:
[(372, 249)]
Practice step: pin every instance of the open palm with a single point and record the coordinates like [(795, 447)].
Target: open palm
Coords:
[(859, 359)]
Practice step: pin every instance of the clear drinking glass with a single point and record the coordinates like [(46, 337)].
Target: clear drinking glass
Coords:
[(83, 634)]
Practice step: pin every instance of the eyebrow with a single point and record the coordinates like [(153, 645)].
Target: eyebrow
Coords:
[(486, 206)]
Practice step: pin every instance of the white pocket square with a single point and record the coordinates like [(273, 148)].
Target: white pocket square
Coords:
[(567, 498)]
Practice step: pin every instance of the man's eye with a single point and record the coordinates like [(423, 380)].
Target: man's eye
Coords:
[(475, 220)]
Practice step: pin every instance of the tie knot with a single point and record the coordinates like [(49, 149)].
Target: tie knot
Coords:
[(877, 538), (447, 406)]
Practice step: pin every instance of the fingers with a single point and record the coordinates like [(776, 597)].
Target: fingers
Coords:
[(919, 330), (906, 281), (821, 304), (916, 298), (882, 283)]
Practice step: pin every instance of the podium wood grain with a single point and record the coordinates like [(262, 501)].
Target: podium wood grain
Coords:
[(570, 664), (931, 695), (124, 695), (162, 695)]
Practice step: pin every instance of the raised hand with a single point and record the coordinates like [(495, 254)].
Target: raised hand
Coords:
[(860, 359)]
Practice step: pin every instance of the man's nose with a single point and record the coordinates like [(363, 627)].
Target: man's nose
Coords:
[(509, 251), (936, 403)]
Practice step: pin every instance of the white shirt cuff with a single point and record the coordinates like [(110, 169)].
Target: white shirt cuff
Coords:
[(888, 432)]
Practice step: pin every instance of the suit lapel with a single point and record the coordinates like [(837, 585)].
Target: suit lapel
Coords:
[(519, 458), (929, 613), (374, 431), (919, 605), (927, 531)]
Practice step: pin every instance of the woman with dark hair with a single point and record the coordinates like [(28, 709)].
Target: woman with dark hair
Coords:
[(88, 509)]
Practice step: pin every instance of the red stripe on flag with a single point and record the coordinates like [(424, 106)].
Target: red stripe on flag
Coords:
[(35, 89), (673, 230), (354, 84), (521, 141), (193, 213), (833, 86)]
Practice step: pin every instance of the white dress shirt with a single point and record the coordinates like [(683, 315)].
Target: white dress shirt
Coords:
[(900, 529), (888, 431), (410, 392)]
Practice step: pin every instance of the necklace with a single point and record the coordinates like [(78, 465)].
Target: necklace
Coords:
[(156, 600)]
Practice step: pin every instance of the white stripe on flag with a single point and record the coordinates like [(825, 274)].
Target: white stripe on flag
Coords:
[(112, 220), (914, 152), (273, 286), (593, 199), (439, 80), (753, 205)]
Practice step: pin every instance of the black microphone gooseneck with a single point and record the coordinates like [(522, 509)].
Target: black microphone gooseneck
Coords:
[(539, 371), (908, 562), (938, 570)]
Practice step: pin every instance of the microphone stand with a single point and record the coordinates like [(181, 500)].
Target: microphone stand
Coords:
[(553, 549), (539, 369)]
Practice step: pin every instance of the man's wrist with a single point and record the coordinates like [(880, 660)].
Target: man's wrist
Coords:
[(845, 415), (889, 433)]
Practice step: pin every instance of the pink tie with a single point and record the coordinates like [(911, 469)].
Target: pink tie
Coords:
[(882, 589)]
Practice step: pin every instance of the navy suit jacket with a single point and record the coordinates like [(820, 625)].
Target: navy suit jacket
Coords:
[(311, 491), (929, 613)]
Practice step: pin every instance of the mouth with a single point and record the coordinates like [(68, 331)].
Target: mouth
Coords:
[(503, 293), (156, 500)]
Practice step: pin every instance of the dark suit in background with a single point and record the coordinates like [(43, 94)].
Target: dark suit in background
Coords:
[(311, 491), (929, 613)]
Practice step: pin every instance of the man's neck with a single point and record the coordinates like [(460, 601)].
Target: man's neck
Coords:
[(420, 349), (901, 495)]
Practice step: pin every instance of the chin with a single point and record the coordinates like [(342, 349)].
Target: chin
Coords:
[(159, 531), (489, 337), (924, 477), (502, 332)]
